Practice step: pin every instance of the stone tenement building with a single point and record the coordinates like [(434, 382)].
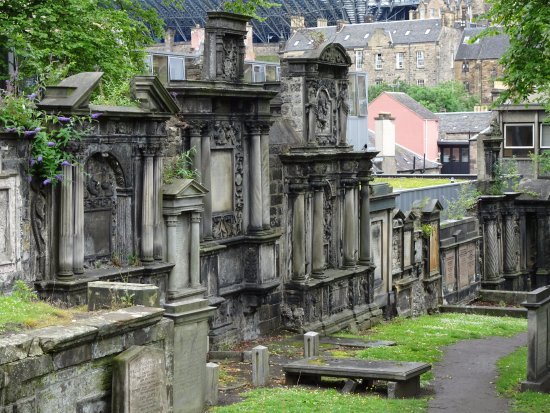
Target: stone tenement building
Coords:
[(462, 12), (477, 66), (418, 52)]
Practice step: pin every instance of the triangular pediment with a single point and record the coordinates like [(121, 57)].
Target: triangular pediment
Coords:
[(72, 93), (152, 95), (183, 188)]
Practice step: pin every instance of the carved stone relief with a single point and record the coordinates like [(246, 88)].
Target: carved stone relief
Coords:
[(230, 58), (38, 223)]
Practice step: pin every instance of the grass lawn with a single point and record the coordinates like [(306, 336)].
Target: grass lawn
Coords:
[(512, 371), (22, 310), (411, 183), (418, 339)]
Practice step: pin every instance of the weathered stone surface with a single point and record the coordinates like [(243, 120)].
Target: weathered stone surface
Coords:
[(14, 347), (212, 376), (112, 294), (260, 366), (139, 381), (57, 338), (311, 344)]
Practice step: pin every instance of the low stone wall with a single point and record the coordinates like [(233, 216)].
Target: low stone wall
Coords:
[(68, 369), (459, 254)]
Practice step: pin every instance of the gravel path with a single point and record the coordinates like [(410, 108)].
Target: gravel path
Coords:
[(464, 379)]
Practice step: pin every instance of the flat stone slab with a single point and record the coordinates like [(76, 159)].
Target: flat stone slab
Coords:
[(355, 342), (357, 368)]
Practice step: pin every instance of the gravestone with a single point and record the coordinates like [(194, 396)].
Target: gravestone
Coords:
[(139, 381)]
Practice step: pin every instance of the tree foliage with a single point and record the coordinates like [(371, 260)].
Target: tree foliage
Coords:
[(55, 38), (249, 7), (527, 61), (445, 97)]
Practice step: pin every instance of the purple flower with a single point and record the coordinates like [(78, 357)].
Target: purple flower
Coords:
[(32, 96), (40, 158), (11, 130), (50, 144), (59, 177), (29, 178), (38, 129), (65, 163), (96, 115), (30, 133), (63, 119), (46, 181), (32, 162)]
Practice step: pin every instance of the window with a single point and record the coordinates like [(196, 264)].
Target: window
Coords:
[(464, 155), (258, 73), (466, 86), (545, 136), (399, 58), (149, 64), (362, 101), (420, 59), (518, 139), (420, 82), (358, 60), (176, 66), (465, 67), (378, 61), (378, 81)]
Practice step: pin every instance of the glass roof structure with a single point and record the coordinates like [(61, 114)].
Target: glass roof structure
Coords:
[(277, 19)]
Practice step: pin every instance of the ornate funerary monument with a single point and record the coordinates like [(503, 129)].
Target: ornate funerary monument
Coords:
[(323, 192)]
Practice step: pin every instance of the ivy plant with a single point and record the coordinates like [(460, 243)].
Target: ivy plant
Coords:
[(51, 135)]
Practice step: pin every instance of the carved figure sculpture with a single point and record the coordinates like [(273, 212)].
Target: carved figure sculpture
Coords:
[(311, 110), (343, 111)]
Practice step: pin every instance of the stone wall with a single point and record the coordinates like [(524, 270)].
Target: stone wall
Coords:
[(479, 78), (68, 369)]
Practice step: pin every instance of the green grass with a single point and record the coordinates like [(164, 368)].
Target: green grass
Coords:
[(298, 400), (22, 310), (421, 339), (411, 183), (512, 371)]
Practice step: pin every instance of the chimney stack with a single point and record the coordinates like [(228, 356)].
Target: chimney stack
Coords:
[(249, 44), (322, 22), (297, 23), (384, 138), (169, 35), (197, 38), (340, 25)]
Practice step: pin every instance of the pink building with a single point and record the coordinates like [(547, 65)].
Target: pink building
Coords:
[(416, 128)]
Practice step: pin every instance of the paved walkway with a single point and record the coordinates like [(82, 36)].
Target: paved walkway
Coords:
[(464, 379)]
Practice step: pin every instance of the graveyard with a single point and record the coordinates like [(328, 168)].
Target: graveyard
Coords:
[(221, 241)]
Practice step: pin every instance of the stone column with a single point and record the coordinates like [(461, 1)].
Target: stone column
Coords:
[(266, 195), (543, 233), (66, 223), (195, 135), (255, 179), (364, 229), (511, 243), (194, 259), (147, 209), (78, 237), (158, 246), (491, 250), (206, 181), (298, 233), (174, 281), (350, 223), (318, 230)]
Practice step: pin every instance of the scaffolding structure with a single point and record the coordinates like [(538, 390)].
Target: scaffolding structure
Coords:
[(276, 25)]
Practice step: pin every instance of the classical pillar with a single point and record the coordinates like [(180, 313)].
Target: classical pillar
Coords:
[(174, 281), (255, 179), (66, 223), (194, 259), (318, 230), (147, 209), (491, 252), (298, 233), (78, 237), (511, 243), (158, 252), (266, 195), (206, 181), (195, 138), (350, 223), (364, 222)]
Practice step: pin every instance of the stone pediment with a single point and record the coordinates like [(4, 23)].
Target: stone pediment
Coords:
[(333, 54), (72, 93), (429, 207), (183, 188), (152, 95)]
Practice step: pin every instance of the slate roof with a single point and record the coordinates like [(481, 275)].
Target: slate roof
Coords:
[(358, 35), (412, 104), (463, 122), (488, 48)]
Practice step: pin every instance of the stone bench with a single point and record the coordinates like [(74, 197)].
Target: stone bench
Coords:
[(406, 375)]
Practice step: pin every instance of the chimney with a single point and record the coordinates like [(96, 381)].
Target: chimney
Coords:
[(411, 15), (384, 138), (340, 25), (169, 39), (297, 23), (250, 54), (322, 22), (197, 38)]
